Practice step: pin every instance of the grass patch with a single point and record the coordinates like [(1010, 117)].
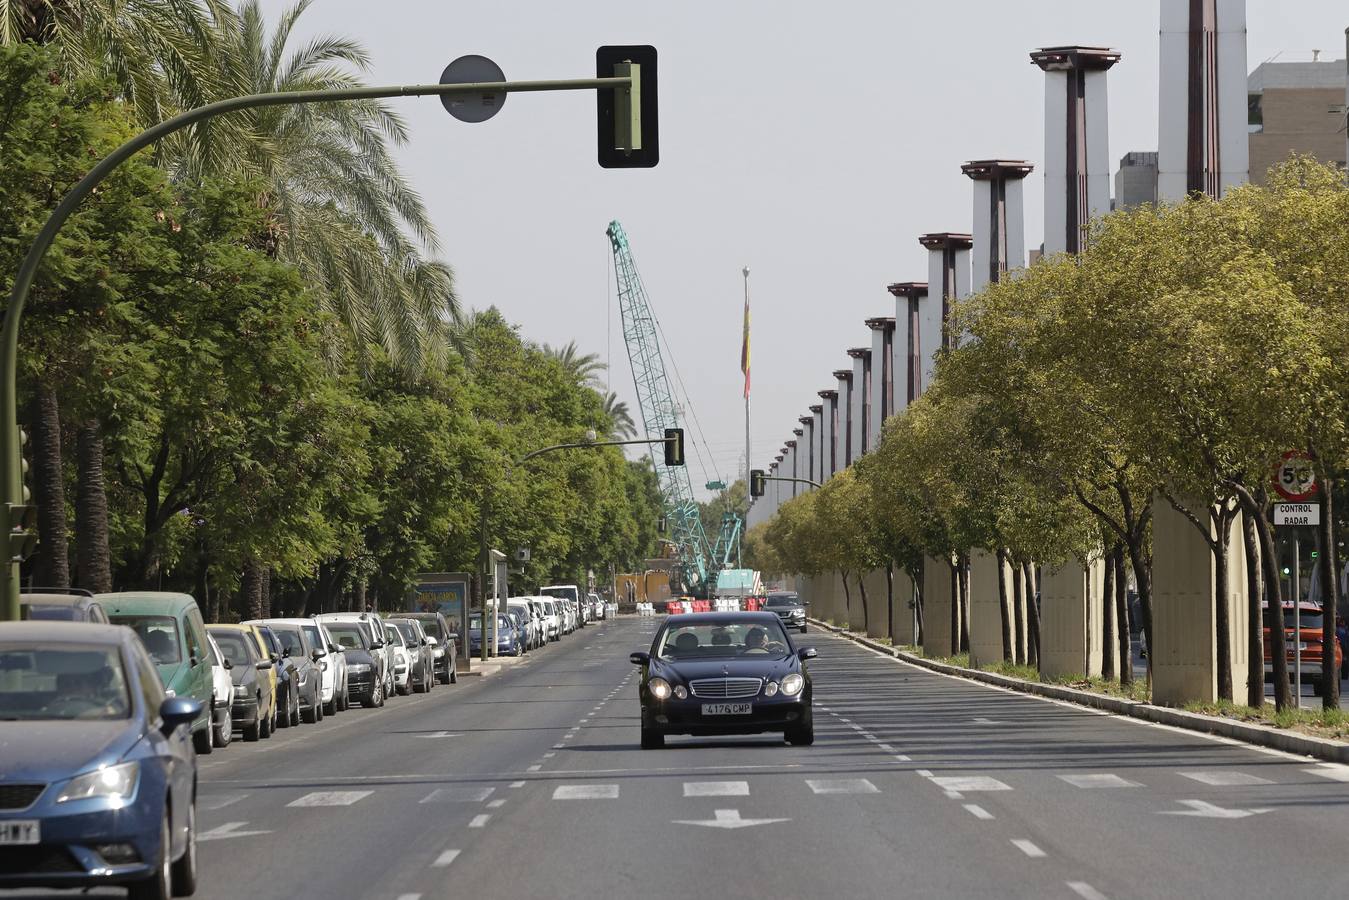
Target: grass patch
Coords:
[(960, 659), (1135, 690), (1330, 723), (1012, 670)]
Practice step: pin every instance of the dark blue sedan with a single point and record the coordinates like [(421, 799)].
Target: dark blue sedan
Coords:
[(725, 673), (97, 773)]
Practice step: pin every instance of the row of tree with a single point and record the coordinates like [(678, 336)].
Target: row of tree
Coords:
[(243, 371), (1178, 357)]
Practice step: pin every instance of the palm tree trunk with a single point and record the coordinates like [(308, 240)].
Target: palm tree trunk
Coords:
[(92, 558), (53, 564), (964, 561), (251, 589), (1222, 596), (1330, 593)]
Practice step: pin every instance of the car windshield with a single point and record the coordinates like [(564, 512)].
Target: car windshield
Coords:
[(1310, 620), (722, 640), (234, 646), (432, 627), (290, 641), (49, 612), (782, 601), (159, 634), (348, 637), (393, 635), (563, 593), (62, 681), (315, 636), (409, 631)]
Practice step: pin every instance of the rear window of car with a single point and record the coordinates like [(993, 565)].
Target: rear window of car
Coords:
[(159, 634), (1310, 620), (315, 638), (62, 681), (290, 641), (349, 637), (39, 612)]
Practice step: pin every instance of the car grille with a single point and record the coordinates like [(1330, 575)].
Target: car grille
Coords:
[(725, 688), (19, 796), (39, 859)]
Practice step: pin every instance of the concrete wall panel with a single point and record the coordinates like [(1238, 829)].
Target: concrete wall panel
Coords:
[(936, 607), (903, 631), (1070, 619), (986, 607)]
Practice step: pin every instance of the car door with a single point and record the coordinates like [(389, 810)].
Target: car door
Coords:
[(173, 753), (199, 675)]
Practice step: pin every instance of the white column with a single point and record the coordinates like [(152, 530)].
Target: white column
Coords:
[(883, 378), (999, 218), (905, 340), (948, 280), (857, 416), (847, 451), (1202, 145), (828, 437)]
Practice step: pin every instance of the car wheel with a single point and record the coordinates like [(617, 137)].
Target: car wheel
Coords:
[(201, 740), (295, 708), (183, 874), (454, 674), (254, 731), (224, 731), (310, 715), (802, 735), (265, 728), (330, 708), (652, 738), (158, 886)]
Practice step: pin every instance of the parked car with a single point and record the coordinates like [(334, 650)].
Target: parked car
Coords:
[(400, 657), (254, 709), (421, 658), (98, 768), (297, 637), (287, 679), (598, 611), (334, 669), (364, 683), (570, 595), (724, 673), (1312, 647), (521, 624), (373, 624), (527, 621), (171, 628), (789, 607), (508, 638), (61, 606), (444, 644), (552, 618), (222, 695)]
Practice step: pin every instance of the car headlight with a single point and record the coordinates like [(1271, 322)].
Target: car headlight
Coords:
[(770, 689), (792, 684), (358, 668), (112, 782), (659, 688), (680, 691)]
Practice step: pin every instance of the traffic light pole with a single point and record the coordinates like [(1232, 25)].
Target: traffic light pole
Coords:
[(11, 484)]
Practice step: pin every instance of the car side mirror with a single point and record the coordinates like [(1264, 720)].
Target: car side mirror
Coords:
[(285, 654), (452, 637), (227, 664), (423, 642), (432, 642), (377, 645), (640, 658), (317, 655), (806, 653), (193, 661), (177, 711), (333, 648), (263, 664)]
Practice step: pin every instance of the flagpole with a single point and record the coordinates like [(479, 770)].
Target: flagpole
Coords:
[(748, 460)]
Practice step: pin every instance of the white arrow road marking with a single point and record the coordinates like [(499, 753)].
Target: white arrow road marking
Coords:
[(226, 831), (728, 818), (1206, 810), (437, 734)]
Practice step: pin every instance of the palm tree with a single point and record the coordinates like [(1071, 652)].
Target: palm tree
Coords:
[(621, 425), (584, 369)]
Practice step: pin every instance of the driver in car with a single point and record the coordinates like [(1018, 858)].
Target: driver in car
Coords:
[(755, 640)]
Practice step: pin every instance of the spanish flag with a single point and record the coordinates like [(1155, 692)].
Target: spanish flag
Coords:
[(744, 344)]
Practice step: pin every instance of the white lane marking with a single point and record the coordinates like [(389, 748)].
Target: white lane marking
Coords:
[(226, 831), (479, 821), (902, 758), (1220, 778), (969, 783), (982, 721), (978, 811), (1028, 848), (409, 897), (728, 818), (926, 773), (1334, 771), (496, 804), (845, 721), (1204, 810), (331, 798), (586, 792), (954, 795), (220, 801), (1086, 891), (716, 789), (445, 859), (886, 747), (458, 795), (549, 755), (1103, 780), (558, 746), (437, 734), (842, 786), (517, 784), (534, 768)]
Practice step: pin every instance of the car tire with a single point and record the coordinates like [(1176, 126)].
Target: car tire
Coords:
[(159, 886), (183, 873), (652, 738), (802, 735), (224, 731), (454, 674), (265, 728), (203, 742), (803, 629), (295, 717), (330, 708), (254, 731)]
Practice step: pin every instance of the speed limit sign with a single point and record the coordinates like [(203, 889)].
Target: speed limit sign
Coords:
[(1294, 477)]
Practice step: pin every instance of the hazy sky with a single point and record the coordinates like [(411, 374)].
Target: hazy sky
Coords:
[(812, 142)]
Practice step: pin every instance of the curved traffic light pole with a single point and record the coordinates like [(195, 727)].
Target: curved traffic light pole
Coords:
[(11, 485)]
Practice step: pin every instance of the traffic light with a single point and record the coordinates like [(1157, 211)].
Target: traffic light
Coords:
[(674, 446), (22, 516), (626, 118), (756, 482)]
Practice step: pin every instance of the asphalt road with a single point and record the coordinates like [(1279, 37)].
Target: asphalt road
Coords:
[(530, 784)]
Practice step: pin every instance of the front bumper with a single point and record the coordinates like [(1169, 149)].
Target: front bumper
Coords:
[(244, 710), (66, 858), (686, 716), (360, 684)]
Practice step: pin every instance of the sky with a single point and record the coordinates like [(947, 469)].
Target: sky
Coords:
[(811, 142)]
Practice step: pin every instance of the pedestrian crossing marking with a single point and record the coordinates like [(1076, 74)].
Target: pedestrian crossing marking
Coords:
[(1222, 778), (467, 794), (586, 792), (331, 798), (1099, 781), (842, 786), (969, 783), (716, 789)]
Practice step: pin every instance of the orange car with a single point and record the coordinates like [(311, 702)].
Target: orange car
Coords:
[(1310, 621)]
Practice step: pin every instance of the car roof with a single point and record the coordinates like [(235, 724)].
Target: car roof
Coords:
[(698, 618), (64, 632), (345, 617), (56, 599), (229, 626), (145, 602), (294, 620)]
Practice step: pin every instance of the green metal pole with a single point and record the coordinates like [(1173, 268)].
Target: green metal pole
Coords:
[(11, 488)]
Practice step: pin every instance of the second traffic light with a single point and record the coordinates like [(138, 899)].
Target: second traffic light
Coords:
[(627, 118), (674, 446), (22, 538), (756, 482)]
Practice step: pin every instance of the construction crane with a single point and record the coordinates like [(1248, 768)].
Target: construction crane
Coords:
[(659, 411)]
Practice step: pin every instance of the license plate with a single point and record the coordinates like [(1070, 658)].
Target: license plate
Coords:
[(21, 831), (727, 709)]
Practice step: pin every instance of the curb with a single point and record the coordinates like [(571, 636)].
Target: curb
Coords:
[(1260, 735)]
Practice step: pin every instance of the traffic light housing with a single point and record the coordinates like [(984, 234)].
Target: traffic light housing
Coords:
[(22, 517), (626, 118), (674, 446), (756, 483)]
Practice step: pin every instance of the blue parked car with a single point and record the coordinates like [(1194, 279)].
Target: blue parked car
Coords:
[(509, 640), (98, 774)]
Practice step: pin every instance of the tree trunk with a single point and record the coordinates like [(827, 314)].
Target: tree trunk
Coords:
[(918, 610), (1126, 656), (92, 558), (361, 588), (1330, 594), (847, 600), (1254, 504), (251, 590), (890, 601), (1032, 618), (1222, 612), (955, 606), (1003, 608), (964, 561), (1255, 634), (53, 564), (862, 593), (1019, 641), (1107, 616)]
